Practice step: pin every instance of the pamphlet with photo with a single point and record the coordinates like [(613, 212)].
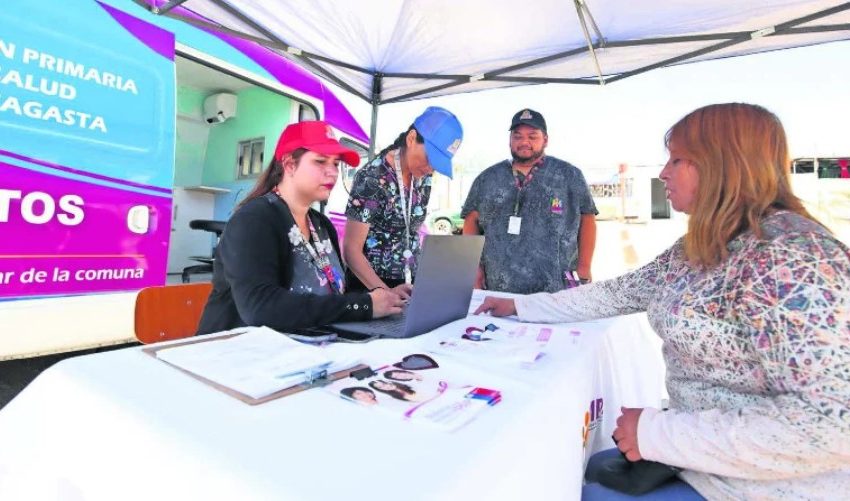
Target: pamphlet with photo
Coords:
[(416, 388)]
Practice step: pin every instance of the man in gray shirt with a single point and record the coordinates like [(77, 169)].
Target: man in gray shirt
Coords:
[(537, 214)]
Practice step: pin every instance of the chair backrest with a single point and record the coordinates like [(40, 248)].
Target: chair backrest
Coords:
[(212, 226), (170, 311)]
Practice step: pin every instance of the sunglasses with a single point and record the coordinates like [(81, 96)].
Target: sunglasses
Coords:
[(416, 362)]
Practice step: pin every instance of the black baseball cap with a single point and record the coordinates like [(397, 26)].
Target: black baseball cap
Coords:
[(528, 117)]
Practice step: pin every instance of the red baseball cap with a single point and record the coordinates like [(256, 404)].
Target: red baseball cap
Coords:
[(316, 136)]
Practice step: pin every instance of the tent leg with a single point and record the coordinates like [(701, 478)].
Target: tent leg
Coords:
[(377, 79), (373, 129)]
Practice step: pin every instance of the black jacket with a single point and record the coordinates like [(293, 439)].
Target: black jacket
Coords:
[(253, 271)]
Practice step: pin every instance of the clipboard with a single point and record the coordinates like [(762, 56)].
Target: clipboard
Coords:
[(316, 383)]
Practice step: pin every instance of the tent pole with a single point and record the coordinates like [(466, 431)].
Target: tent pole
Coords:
[(376, 100), (373, 129), (580, 6), (167, 7), (593, 24)]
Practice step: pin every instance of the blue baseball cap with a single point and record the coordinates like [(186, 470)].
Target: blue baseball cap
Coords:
[(443, 134)]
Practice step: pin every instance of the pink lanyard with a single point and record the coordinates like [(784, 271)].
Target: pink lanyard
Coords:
[(320, 255)]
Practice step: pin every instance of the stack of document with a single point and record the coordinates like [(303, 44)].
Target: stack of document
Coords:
[(258, 361)]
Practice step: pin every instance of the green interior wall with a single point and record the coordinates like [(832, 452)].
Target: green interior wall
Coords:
[(259, 113), (190, 101), (192, 133)]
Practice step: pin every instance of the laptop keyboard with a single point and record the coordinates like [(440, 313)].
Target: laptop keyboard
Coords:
[(388, 325)]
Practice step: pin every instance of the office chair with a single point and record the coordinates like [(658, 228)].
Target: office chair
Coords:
[(206, 265)]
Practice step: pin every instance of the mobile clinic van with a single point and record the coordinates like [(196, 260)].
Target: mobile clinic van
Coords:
[(116, 129)]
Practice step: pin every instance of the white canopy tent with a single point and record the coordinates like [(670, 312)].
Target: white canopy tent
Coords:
[(387, 51)]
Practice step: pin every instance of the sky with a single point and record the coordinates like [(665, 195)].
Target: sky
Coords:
[(598, 127)]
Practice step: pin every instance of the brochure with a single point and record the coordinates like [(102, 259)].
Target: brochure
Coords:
[(418, 390), (488, 340)]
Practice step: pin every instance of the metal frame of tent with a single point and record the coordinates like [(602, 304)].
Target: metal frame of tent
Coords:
[(594, 42)]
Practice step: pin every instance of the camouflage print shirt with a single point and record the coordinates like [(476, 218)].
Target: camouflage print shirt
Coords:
[(550, 205)]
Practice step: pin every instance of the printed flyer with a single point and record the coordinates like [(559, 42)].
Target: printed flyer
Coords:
[(417, 389)]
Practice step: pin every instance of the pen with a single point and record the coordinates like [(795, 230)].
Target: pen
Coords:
[(570, 283), (308, 372)]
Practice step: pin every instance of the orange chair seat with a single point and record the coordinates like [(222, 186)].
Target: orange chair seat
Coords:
[(170, 312)]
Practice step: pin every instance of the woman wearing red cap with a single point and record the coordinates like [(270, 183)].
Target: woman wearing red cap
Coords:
[(388, 201), (277, 263)]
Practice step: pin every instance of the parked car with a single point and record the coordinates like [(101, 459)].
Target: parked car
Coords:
[(444, 222)]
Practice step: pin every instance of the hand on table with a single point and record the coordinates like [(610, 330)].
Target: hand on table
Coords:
[(625, 434), (497, 307)]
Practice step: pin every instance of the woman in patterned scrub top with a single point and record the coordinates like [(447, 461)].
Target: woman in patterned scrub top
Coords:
[(753, 306), (389, 199)]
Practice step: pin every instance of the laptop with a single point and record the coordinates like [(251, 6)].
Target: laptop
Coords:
[(444, 280)]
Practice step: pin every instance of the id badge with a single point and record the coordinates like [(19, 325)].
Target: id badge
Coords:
[(514, 223)]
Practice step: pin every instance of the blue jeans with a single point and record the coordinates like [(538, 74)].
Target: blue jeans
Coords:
[(672, 490)]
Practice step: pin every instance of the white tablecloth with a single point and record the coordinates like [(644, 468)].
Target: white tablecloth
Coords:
[(123, 425)]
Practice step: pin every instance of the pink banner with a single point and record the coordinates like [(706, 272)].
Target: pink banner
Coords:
[(62, 236)]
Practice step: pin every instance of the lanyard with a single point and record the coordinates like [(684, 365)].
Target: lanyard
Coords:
[(522, 184), (406, 210), (320, 255)]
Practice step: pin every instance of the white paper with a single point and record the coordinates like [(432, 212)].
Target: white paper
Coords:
[(257, 363), (514, 222), (512, 343)]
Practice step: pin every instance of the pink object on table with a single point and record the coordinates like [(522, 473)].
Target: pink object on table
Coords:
[(843, 164)]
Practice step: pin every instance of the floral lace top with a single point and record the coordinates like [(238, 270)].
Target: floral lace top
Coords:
[(306, 278), (375, 200), (758, 360)]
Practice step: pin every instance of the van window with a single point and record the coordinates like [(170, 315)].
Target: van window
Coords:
[(306, 113), (348, 171), (249, 159)]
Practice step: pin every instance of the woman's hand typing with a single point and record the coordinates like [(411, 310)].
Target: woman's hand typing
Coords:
[(385, 302)]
